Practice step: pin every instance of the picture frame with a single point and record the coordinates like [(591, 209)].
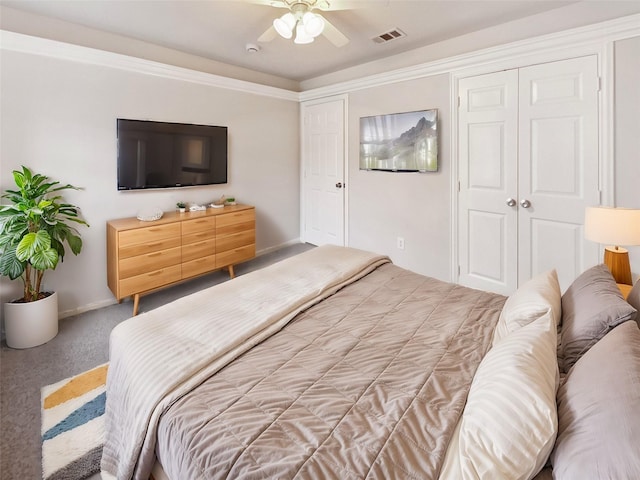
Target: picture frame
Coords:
[(400, 142)]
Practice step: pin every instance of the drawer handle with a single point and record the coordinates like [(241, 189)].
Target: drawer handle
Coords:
[(155, 254), (159, 272), (154, 245)]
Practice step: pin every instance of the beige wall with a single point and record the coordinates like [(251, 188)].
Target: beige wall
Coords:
[(59, 118), (383, 205), (627, 131), (415, 206)]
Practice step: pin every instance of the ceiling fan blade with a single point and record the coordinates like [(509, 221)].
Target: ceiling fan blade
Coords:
[(334, 35), (334, 5), (268, 3), (268, 35), (326, 5)]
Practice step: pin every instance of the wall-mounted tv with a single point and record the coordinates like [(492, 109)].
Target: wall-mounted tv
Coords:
[(163, 154), (400, 142)]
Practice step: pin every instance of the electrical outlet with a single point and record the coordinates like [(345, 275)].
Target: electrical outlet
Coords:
[(400, 243)]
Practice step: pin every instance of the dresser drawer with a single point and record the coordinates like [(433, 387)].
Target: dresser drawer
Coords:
[(229, 242), (148, 234), (143, 248), (198, 250), (236, 228), (243, 216), (198, 266), (132, 266), (237, 255), (150, 280), (204, 224), (198, 237)]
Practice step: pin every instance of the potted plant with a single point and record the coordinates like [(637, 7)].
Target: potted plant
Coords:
[(182, 207), (34, 229)]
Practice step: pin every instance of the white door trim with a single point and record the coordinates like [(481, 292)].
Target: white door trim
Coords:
[(303, 106), (604, 53)]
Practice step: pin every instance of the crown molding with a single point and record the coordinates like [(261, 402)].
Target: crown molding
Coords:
[(553, 45), (594, 35), (18, 42)]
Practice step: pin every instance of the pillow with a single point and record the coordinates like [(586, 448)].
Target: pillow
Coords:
[(529, 302), (634, 296), (509, 423), (598, 417), (591, 307)]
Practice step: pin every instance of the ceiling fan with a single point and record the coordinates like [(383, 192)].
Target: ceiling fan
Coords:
[(302, 21)]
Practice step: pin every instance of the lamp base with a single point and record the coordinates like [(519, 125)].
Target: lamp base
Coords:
[(618, 262)]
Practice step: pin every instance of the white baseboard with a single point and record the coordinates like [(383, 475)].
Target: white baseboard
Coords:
[(288, 243), (87, 308)]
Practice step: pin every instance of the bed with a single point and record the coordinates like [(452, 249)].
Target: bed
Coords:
[(336, 363)]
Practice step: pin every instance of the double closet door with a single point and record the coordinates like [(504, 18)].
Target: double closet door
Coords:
[(528, 167)]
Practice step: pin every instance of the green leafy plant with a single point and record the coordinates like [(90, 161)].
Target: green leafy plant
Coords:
[(181, 205), (34, 229)]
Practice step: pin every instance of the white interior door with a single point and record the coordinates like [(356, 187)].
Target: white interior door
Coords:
[(528, 164), (488, 149), (558, 167), (323, 184)]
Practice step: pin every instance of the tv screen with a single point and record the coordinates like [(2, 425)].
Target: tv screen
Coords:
[(163, 154)]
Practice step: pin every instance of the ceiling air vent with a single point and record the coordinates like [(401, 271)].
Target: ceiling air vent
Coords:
[(388, 36)]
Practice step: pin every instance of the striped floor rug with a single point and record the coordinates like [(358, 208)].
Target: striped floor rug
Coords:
[(73, 425)]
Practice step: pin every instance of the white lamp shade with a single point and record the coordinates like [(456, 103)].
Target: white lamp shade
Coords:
[(313, 24), (612, 226), (302, 36), (284, 25)]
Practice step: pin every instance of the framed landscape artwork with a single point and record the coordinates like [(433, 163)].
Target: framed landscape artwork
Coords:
[(400, 142)]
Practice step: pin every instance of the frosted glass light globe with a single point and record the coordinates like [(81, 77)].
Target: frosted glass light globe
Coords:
[(284, 25), (313, 24)]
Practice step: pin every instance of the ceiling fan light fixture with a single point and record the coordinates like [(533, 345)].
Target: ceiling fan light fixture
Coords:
[(302, 36), (313, 24), (284, 25)]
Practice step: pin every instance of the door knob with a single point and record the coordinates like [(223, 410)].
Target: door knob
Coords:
[(339, 185), (511, 202), (524, 203)]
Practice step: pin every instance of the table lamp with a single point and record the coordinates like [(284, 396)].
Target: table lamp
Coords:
[(614, 226)]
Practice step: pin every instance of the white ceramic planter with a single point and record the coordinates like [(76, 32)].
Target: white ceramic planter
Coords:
[(31, 324)]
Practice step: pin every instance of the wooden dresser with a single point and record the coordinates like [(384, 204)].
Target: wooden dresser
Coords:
[(146, 256)]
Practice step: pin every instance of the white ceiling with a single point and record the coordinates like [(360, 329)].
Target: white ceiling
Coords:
[(220, 29)]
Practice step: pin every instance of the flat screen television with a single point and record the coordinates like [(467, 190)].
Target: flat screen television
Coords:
[(162, 154)]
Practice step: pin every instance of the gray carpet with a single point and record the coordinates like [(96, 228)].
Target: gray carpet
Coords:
[(82, 343)]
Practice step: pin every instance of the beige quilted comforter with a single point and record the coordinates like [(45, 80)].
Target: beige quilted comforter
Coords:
[(159, 356), (368, 383)]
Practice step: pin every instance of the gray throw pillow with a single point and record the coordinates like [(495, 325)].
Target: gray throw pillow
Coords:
[(634, 296), (598, 418), (591, 307)]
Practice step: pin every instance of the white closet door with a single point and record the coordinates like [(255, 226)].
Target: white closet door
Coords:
[(529, 134), (558, 166), (323, 182), (488, 149)]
